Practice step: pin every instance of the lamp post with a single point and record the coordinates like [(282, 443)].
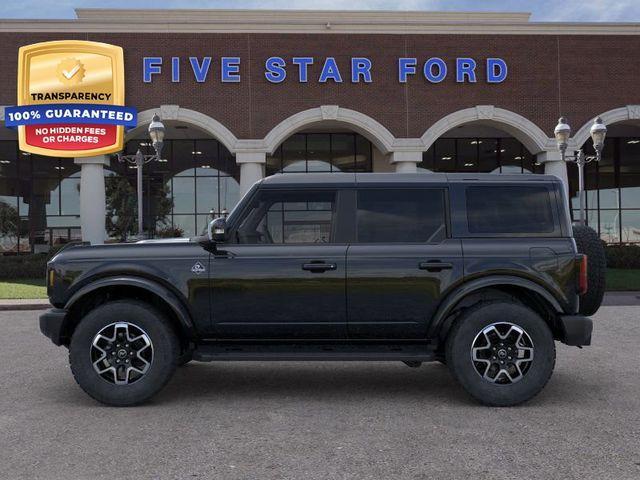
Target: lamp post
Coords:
[(156, 133), (562, 133)]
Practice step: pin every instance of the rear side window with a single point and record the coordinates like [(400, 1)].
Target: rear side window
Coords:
[(512, 209), (401, 215)]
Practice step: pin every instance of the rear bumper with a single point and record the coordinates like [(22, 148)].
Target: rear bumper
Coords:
[(52, 324), (576, 330)]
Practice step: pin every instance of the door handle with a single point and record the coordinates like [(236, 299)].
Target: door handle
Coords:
[(435, 266), (318, 267)]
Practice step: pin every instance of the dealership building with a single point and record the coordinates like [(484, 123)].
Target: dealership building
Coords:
[(244, 94)]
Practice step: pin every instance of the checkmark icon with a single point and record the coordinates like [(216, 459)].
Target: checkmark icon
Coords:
[(71, 73)]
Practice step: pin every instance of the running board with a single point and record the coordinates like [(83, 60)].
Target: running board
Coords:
[(310, 352)]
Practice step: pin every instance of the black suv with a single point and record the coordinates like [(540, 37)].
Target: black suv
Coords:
[(478, 271)]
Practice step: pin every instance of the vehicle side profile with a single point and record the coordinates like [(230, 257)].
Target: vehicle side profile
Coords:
[(478, 271)]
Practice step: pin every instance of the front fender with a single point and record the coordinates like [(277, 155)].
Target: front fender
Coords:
[(454, 297), (177, 307)]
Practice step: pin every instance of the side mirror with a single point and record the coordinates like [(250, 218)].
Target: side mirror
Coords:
[(218, 230)]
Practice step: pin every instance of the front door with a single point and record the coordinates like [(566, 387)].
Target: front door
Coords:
[(402, 262), (282, 275)]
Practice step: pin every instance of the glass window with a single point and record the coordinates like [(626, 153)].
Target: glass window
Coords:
[(488, 152), (319, 152), (513, 209), (294, 154), (184, 195), (467, 154), (289, 217), (445, 155), (343, 152), (401, 216)]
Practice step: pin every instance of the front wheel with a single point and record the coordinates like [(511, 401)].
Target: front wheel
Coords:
[(123, 352), (502, 353)]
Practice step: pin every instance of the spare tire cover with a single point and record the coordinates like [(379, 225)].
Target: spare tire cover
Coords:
[(589, 243)]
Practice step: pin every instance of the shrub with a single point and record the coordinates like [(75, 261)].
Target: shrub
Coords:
[(33, 265), (623, 256)]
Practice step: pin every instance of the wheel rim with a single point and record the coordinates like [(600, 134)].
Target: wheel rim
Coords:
[(121, 353), (502, 353)]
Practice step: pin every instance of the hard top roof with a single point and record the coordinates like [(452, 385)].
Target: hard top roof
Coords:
[(326, 179)]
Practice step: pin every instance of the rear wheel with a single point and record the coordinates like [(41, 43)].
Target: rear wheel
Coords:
[(122, 353), (501, 353)]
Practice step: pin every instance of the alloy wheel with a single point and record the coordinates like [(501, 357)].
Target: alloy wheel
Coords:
[(502, 353), (121, 353)]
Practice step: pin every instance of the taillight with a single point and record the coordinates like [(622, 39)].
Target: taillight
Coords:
[(583, 281)]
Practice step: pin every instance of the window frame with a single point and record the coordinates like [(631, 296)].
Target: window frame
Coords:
[(461, 225), (337, 222)]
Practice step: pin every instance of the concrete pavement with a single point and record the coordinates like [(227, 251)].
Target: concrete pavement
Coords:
[(322, 420)]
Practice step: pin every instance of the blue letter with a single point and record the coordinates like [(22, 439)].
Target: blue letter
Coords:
[(230, 69), (496, 70), (428, 70), (200, 71), (330, 71), (175, 69), (360, 66), (406, 66), (150, 66), (465, 66), (275, 69), (303, 63)]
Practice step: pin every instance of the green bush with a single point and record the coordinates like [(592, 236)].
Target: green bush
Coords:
[(25, 266), (623, 256)]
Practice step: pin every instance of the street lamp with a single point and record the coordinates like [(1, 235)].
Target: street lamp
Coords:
[(156, 133), (562, 133)]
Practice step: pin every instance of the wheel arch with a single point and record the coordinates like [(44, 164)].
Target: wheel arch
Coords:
[(121, 287), (509, 288)]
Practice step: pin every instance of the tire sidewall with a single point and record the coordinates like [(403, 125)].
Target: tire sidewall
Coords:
[(165, 353), (460, 341)]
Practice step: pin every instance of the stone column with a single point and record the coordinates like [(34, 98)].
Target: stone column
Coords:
[(93, 206), (406, 162), (251, 168), (553, 165)]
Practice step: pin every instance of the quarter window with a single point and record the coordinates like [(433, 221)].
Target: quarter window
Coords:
[(401, 216), (517, 209), (289, 217)]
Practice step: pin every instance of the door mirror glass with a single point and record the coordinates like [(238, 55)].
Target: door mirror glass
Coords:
[(218, 230)]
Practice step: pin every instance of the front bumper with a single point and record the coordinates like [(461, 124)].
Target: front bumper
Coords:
[(52, 323), (576, 330)]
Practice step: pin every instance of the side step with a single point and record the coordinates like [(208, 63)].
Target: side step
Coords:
[(409, 352)]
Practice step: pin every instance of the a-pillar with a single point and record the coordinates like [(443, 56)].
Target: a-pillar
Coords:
[(406, 162), (93, 209), (251, 168), (554, 165)]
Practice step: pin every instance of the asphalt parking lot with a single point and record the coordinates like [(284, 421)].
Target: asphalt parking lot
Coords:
[(322, 420)]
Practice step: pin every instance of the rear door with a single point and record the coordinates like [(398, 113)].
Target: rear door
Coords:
[(402, 261)]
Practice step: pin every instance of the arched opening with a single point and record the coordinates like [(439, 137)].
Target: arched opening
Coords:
[(328, 139), (197, 179), (479, 147), (612, 185)]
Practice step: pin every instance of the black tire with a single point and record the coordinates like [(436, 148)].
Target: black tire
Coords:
[(165, 352), (470, 324), (589, 243)]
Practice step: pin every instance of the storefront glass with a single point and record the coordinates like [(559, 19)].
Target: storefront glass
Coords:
[(322, 152)]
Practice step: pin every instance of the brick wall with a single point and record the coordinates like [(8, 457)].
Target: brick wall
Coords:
[(578, 76)]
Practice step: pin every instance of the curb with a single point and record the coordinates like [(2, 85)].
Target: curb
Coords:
[(17, 305)]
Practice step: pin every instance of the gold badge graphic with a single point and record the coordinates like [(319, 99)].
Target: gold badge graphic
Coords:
[(70, 71), (78, 80)]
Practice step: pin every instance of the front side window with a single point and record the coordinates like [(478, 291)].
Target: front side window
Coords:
[(513, 209), (401, 215), (281, 217)]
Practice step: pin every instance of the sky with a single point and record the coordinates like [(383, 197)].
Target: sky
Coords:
[(542, 10)]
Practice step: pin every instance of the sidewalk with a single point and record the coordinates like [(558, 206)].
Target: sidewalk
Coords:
[(610, 299)]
